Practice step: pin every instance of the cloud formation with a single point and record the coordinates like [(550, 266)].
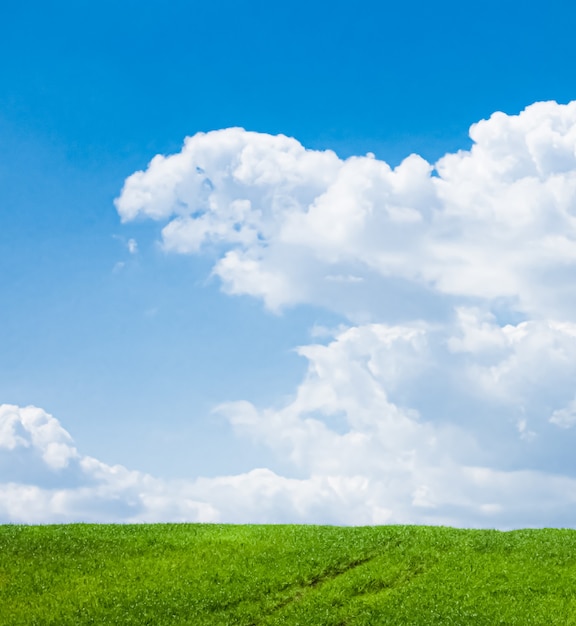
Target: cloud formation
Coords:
[(447, 393), (391, 424), (495, 223)]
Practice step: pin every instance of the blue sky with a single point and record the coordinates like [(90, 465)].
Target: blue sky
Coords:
[(133, 346)]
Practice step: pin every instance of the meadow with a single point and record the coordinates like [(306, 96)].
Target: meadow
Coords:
[(228, 575)]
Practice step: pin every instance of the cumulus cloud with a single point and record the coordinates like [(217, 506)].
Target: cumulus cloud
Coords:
[(45, 479), (372, 436), (445, 391), (450, 393), (495, 223)]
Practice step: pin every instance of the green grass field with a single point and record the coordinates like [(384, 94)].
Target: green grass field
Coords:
[(227, 575)]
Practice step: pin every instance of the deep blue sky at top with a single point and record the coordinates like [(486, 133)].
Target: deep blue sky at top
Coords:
[(133, 77), (90, 91)]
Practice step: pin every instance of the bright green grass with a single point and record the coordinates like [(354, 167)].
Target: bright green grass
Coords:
[(257, 575)]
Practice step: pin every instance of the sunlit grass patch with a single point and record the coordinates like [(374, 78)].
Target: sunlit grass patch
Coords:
[(247, 575)]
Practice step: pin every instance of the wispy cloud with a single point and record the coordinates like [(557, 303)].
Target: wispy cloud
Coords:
[(132, 246)]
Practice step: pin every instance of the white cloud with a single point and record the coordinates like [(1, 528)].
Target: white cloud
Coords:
[(37, 431), (455, 408), (45, 479), (366, 437), (566, 416), (447, 396), (132, 246), (496, 222), (531, 363)]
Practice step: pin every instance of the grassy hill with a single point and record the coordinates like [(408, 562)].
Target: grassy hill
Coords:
[(261, 575)]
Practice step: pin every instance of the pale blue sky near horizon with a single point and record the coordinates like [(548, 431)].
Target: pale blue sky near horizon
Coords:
[(131, 352)]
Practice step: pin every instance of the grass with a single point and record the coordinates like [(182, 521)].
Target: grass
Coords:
[(292, 575)]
